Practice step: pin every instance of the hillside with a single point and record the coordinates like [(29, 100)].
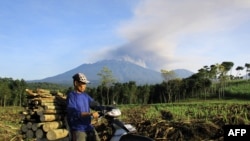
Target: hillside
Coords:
[(123, 71)]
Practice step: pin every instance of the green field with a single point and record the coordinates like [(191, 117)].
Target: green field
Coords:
[(195, 110), (229, 111)]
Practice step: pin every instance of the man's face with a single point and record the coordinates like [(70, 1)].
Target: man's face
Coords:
[(80, 86)]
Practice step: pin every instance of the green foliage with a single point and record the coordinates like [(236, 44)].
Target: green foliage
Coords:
[(197, 86), (48, 86), (238, 89), (12, 92), (226, 110)]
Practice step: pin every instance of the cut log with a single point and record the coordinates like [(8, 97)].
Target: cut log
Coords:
[(53, 111), (35, 126), (57, 134), (40, 134), (29, 134), (40, 108), (42, 91), (24, 128), (52, 125), (50, 99), (41, 112), (29, 125), (52, 107), (50, 117), (50, 104), (31, 93)]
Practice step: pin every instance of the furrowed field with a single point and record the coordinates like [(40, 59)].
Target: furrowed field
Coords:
[(190, 120)]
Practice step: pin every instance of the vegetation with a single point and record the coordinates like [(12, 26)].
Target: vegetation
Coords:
[(157, 118), (210, 82), (193, 110), (212, 95)]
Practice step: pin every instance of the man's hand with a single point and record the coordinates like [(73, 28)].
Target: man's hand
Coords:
[(95, 115)]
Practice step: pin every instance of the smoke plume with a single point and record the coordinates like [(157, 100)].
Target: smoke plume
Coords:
[(153, 35)]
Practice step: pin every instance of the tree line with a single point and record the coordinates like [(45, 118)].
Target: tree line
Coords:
[(210, 81)]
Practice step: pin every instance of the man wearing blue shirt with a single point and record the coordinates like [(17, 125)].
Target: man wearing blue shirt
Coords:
[(78, 111)]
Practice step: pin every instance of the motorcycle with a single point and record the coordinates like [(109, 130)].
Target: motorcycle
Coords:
[(120, 130)]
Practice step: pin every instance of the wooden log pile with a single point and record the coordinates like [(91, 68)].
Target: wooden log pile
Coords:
[(44, 116)]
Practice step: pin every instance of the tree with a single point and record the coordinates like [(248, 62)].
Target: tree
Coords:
[(227, 67), (247, 65), (168, 75), (239, 69), (5, 93), (107, 80)]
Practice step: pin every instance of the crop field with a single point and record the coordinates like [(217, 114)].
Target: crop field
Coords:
[(194, 121), (10, 123), (191, 120)]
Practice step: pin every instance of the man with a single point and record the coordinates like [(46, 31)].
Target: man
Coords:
[(78, 111)]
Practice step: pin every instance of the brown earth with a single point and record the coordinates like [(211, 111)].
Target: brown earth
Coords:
[(165, 129), (161, 129), (9, 126)]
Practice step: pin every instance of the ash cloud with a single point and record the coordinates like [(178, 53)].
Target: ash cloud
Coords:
[(153, 34)]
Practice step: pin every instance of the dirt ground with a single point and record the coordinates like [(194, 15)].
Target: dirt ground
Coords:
[(168, 130), (164, 128)]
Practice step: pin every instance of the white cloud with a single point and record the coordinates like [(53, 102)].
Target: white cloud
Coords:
[(153, 35)]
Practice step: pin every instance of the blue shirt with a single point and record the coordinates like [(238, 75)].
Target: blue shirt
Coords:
[(76, 104)]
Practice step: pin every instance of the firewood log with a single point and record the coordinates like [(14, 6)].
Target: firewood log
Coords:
[(38, 90), (53, 111), (31, 93), (24, 128), (29, 134), (52, 125), (51, 104), (49, 99), (35, 126), (57, 134), (40, 134), (50, 117), (50, 112), (52, 107), (39, 112), (29, 125)]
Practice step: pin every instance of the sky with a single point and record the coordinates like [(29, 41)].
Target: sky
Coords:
[(44, 38)]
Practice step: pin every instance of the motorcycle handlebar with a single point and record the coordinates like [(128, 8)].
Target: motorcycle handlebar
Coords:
[(102, 110)]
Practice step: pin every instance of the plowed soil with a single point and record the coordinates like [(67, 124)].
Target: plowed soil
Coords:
[(164, 128), (169, 130)]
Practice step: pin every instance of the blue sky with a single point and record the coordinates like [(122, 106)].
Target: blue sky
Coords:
[(43, 38)]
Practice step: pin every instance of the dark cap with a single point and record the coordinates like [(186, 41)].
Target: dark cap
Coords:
[(80, 77)]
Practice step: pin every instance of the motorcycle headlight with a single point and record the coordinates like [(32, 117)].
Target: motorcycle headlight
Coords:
[(114, 113)]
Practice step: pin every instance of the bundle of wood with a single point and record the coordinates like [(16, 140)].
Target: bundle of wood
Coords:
[(44, 116)]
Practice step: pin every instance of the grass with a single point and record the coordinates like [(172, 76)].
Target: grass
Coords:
[(198, 110)]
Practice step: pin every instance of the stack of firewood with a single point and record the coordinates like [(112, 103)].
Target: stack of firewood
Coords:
[(44, 116)]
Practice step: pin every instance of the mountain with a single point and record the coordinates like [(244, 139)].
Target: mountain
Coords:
[(123, 71)]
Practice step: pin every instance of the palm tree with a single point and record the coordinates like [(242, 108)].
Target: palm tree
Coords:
[(247, 65), (239, 69)]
